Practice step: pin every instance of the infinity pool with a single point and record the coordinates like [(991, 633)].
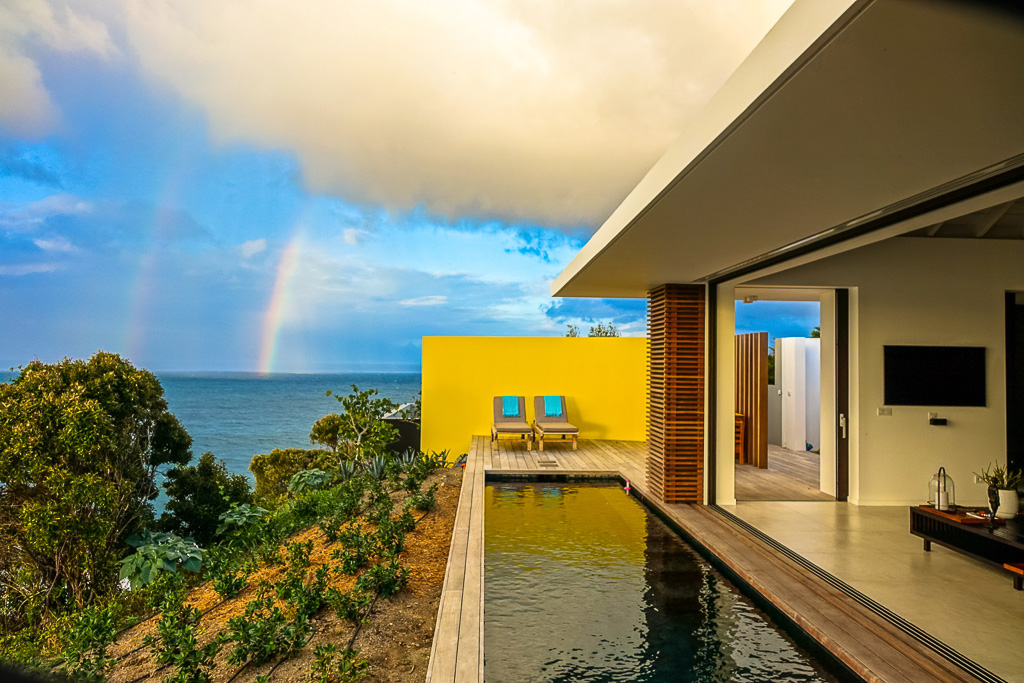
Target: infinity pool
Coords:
[(582, 583)]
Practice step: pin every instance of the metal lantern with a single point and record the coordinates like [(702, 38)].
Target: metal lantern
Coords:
[(941, 491)]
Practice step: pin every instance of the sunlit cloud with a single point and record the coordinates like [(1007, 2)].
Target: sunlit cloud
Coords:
[(28, 268), (26, 107), (517, 109), (57, 244), (250, 248), (22, 217)]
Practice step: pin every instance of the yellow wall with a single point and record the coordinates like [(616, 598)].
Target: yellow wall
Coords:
[(604, 380)]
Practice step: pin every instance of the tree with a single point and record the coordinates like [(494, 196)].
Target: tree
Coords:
[(573, 331), (198, 495), (360, 430), (816, 333), (80, 446), (274, 470)]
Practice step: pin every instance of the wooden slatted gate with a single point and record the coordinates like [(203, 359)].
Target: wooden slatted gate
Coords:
[(752, 396), (675, 405)]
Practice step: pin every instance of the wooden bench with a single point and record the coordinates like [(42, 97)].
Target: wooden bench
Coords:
[(1018, 569)]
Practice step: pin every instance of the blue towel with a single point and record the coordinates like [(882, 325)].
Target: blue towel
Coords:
[(552, 406), (510, 406)]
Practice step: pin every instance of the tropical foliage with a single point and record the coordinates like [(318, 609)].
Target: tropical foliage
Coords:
[(198, 495), (80, 447), (360, 430)]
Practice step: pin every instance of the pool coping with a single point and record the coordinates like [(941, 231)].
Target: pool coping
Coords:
[(854, 629)]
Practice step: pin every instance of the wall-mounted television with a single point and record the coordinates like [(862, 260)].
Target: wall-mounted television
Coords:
[(935, 375)]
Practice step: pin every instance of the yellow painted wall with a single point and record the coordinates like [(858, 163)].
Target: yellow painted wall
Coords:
[(604, 380)]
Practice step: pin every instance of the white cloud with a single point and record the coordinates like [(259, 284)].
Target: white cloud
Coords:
[(28, 268), (353, 236), (431, 300), (26, 108), (252, 247), (58, 244), (23, 217), (523, 109)]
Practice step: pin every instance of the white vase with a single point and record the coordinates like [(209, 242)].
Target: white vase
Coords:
[(1008, 504)]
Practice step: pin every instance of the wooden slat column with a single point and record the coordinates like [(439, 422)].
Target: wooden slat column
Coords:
[(752, 395), (675, 403)]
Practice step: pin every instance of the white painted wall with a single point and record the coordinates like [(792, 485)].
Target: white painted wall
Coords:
[(827, 421), (725, 397), (801, 392), (928, 292)]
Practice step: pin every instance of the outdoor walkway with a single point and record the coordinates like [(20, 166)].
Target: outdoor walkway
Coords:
[(870, 645)]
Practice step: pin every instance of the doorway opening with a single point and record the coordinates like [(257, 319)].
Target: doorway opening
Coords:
[(785, 451)]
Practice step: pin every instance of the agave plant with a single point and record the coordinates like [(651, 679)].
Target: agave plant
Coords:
[(346, 470), (377, 467), (407, 458)]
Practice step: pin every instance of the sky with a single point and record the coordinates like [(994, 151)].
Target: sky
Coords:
[(313, 186)]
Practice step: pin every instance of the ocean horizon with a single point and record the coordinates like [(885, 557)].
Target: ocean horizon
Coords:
[(237, 414)]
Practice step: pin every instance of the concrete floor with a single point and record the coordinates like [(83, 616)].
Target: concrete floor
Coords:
[(968, 605)]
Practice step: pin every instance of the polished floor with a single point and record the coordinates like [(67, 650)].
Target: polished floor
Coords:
[(968, 605)]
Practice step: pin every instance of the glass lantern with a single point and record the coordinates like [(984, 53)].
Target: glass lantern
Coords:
[(941, 491)]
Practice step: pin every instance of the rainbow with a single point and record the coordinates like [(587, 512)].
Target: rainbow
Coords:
[(272, 317)]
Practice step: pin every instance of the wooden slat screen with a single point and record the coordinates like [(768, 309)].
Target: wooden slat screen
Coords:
[(675, 405), (752, 395)]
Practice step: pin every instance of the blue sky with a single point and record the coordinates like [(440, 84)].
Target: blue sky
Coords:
[(315, 186)]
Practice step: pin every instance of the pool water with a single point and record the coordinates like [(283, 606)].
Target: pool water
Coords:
[(583, 583)]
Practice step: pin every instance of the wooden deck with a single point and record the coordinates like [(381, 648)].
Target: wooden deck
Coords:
[(791, 475), (872, 647)]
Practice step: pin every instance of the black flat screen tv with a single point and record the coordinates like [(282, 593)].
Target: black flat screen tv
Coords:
[(935, 375)]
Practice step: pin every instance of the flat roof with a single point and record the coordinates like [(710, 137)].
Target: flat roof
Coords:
[(846, 111)]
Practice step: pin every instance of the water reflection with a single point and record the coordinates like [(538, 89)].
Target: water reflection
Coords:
[(583, 584)]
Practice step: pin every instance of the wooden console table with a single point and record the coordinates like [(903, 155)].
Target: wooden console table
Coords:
[(1001, 546)]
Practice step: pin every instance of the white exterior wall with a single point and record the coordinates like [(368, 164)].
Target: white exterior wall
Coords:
[(923, 292), (812, 392)]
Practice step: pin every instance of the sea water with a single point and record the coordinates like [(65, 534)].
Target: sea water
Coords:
[(236, 415)]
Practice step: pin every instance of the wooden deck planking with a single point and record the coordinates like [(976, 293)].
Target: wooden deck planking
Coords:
[(869, 645), (791, 475)]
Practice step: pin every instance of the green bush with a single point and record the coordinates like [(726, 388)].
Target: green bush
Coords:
[(80, 443), (275, 470), (360, 430), (198, 495)]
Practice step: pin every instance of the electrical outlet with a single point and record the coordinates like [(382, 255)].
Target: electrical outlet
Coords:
[(884, 412)]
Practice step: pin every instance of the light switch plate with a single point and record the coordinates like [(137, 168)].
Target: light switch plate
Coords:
[(885, 412)]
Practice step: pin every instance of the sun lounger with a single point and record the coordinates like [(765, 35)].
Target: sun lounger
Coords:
[(510, 419), (550, 420)]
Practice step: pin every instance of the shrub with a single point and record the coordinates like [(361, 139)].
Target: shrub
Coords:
[(177, 643), (348, 667), (360, 429), (80, 442), (198, 495), (91, 632), (275, 470), (159, 552), (309, 480)]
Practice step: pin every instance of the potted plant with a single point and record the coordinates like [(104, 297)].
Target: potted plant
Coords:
[(1003, 483)]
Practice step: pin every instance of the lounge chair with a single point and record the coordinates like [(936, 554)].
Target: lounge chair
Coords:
[(508, 422), (550, 419)]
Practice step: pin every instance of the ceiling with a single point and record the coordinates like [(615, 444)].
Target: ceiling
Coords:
[(847, 112), (1001, 222)]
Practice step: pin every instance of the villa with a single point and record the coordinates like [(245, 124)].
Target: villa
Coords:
[(868, 155)]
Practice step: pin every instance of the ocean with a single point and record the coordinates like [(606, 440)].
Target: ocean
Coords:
[(236, 415)]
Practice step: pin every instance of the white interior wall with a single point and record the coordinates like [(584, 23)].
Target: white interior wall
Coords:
[(794, 381), (812, 392), (725, 397), (827, 375), (928, 292)]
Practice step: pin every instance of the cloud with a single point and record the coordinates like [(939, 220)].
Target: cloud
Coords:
[(58, 244), (432, 300), (631, 312), (353, 236), (26, 108), (252, 247), (517, 109), (17, 217), (28, 268)]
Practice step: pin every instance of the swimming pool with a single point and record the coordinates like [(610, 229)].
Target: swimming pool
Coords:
[(582, 583)]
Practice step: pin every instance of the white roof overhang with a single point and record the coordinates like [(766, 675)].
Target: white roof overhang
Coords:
[(846, 113)]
